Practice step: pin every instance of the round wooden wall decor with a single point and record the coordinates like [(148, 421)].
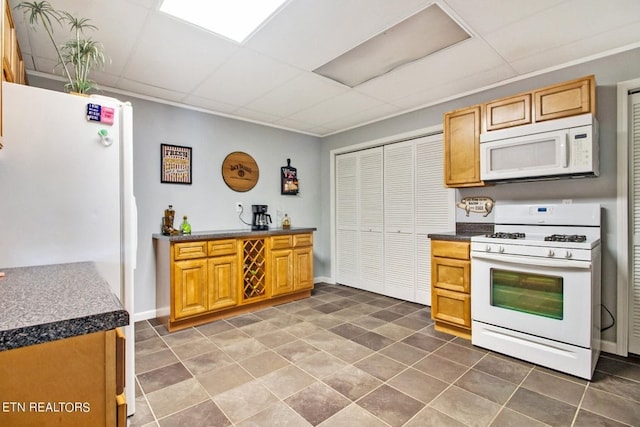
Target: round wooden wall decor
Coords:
[(240, 171)]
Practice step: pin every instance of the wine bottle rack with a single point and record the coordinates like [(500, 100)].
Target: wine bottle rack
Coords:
[(254, 262)]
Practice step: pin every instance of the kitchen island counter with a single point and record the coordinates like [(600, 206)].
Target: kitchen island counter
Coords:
[(232, 234), (46, 303)]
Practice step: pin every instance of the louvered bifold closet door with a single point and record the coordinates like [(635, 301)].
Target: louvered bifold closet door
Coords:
[(634, 146), (399, 236), (434, 210), (346, 220), (370, 216)]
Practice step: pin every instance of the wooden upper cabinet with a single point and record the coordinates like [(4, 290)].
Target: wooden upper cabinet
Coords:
[(12, 64), (507, 112), (565, 99), (462, 147)]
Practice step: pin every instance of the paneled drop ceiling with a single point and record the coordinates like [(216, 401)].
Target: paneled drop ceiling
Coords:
[(270, 79)]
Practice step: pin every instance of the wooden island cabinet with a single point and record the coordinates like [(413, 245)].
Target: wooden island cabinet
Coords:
[(212, 275)]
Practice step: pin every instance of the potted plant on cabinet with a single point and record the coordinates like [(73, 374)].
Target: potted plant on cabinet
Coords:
[(77, 56)]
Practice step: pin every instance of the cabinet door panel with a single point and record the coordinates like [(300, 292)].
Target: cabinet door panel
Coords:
[(462, 148), (190, 295), (565, 99), (507, 112), (302, 268), (281, 271), (223, 282)]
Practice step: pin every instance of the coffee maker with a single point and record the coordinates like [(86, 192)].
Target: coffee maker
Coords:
[(261, 219)]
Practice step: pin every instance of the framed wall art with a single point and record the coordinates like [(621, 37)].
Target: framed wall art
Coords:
[(289, 179), (175, 164)]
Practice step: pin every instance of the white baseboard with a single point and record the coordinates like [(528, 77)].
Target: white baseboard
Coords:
[(609, 347), (145, 315)]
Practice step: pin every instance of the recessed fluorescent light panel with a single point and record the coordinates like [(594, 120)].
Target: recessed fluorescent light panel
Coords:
[(234, 19), (418, 36)]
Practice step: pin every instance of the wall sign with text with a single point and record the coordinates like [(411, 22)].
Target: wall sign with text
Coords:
[(175, 164)]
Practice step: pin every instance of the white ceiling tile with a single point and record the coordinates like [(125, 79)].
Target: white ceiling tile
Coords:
[(602, 42), (334, 108), (209, 104), (482, 16), (171, 54), (244, 77), (153, 91), (456, 88), (257, 115), (302, 92), (363, 116), (533, 35)]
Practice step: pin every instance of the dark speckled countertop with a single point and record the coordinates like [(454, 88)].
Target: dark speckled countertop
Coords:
[(46, 303), (228, 234), (464, 231)]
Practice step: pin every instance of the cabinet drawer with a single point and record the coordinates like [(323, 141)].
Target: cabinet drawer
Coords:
[(451, 307), (189, 250), (452, 274), (447, 249), (223, 247), (302, 240), (281, 242)]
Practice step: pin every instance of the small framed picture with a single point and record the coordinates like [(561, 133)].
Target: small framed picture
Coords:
[(175, 164), (289, 179)]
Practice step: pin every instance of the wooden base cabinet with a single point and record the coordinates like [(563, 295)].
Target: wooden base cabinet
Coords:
[(77, 381), (292, 262), (201, 281), (451, 287)]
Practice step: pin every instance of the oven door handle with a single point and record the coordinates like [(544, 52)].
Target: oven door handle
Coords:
[(533, 261)]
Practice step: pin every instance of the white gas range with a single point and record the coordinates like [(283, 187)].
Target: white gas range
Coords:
[(535, 285)]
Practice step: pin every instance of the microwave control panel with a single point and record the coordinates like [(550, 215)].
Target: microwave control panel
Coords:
[(582, 144)]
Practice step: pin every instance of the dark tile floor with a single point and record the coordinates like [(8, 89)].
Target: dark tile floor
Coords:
[(346, 357)]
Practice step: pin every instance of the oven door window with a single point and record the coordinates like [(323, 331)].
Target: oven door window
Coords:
[(532, 293)]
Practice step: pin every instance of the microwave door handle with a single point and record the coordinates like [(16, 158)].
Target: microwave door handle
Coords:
[(564, 150)]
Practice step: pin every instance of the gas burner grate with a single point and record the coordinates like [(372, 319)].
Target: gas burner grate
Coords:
[(501, 235), (566, 238)]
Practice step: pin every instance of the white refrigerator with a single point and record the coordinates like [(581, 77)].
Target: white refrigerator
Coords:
[(66, 189)]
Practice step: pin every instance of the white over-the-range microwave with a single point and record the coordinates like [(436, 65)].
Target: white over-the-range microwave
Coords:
[(561, 148)]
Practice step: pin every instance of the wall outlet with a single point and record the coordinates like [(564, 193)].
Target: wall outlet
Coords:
[(238, 207)]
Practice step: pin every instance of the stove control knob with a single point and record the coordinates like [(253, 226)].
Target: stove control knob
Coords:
[(488, 248), (501, 249), (551, 253), (568, 254)]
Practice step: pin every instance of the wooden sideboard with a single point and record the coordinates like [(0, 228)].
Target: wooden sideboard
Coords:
[(209, 276)]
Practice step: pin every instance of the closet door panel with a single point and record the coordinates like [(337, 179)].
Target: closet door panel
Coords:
[(346, 220), (399, 238)]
